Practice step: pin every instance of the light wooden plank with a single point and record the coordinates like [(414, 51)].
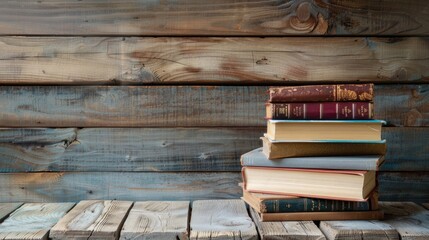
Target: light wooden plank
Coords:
[(221, 219), (176, 106), (167, 149), (358, 230), (33, 220), (409, 219), (216, 17), (296, 230), (139, 61), (157, 220), (7, 208), (131, 186), (126, 149), (92, 219)]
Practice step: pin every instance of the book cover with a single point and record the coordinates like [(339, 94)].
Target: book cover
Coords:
[(322, 93), (320, 110), (285, 149), (257, 158), (320, 216), (271, 203)]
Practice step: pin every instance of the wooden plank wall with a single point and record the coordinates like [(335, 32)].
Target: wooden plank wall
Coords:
[(157, 100)]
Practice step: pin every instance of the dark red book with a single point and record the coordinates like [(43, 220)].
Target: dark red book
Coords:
[(323, 93), (320, 110)]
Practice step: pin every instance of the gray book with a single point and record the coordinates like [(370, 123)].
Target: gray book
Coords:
[(256, 158)]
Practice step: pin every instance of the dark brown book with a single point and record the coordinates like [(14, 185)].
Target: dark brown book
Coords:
[(321, 216), (320, 110), (322, 93), (279, 149)]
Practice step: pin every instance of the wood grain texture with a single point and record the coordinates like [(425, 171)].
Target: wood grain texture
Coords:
[(92, 219), (167, 149), (409, 219), (157, 220), (176, 106), (221, 219), (130, 186), (219, 17), (126, 149), (7, 208), (33, 220), (358, 230), (288, 230), (140, 61), (166, 186)]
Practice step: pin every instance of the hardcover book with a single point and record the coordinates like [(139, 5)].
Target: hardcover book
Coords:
[(320, 110), (272, 203), (285, 149), (318, 130), (313, 183), (256, 158), (322, 93)]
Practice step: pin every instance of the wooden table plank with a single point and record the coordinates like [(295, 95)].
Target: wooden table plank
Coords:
[(33, 220), (305, 230), (216, 17), (221, 219), (177, 106), (92, 219), (7, 208), (168, 149), (157, 220), (358, 230), (140, 61), (409, 219)]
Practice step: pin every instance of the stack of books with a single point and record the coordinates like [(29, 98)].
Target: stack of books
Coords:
[(319, 157)]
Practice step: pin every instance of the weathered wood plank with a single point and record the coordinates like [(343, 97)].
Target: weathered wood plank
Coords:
[(185, 106), (218, 17), (221, 219), (305, 230), (33, 220), (409, 219), (157, 220), (137, 61), (167, 149), (165, 186), (7, 208), (131, 186), (92, 219), (126, 149), (358, 230), (404, 186)]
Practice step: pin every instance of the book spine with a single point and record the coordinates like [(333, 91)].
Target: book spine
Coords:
[(324, 110), (322, 93), (313, 205)]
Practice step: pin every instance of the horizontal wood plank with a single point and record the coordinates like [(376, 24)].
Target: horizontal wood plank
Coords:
[(140, 61), (159, 186), (409, 219), (426, 205), (176, 106), (7, 208), (157, 220), (168, 149), (129, 186), (221, 219), (92, 220), (217, 17), (33, 220), (362, 230)]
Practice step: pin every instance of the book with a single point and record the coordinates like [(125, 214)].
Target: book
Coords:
[(320, 110), (256, 158), (272, 203), (322, 93), (319, 130), (319, 216), (313, 183), (285, 149)]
